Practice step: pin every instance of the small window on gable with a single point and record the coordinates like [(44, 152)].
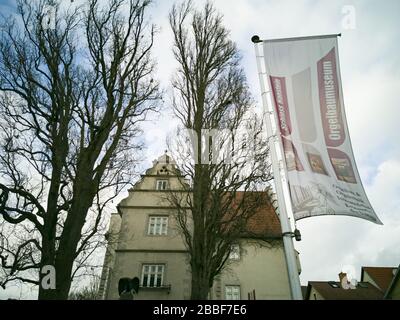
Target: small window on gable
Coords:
[(234, 253), (162, 184), (333, 284)]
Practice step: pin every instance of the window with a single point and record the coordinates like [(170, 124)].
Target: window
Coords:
[(162, 184), (158, 225), (152, 275), (232, 292), (333, 284), (234, 254)]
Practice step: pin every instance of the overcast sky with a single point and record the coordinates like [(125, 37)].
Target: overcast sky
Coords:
[(370, 65)]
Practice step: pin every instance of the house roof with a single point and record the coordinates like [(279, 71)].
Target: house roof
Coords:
[(382, 276), (264, 223), (394, 282), (332, 290)]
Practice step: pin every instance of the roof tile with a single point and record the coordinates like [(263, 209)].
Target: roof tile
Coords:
[(382, 276)]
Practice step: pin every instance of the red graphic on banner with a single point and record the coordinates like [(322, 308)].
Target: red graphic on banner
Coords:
[(342, 165), (331, 109), (278, 85), (291, 156)]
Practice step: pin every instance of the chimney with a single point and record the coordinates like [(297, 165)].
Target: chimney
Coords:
[(341, 276)]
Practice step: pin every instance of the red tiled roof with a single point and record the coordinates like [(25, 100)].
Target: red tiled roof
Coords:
[(264, 222), (365, 291), (382, 276)]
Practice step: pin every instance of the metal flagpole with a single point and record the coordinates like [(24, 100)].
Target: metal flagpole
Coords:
[(287, 233)]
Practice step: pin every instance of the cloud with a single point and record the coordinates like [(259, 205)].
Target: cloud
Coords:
[(371, 80), (329, 243), (384, 191)]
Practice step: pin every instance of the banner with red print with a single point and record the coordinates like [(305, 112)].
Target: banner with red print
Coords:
[(304, 77)]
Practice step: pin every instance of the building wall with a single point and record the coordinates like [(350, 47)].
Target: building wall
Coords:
[(315, 295), (177, 274), (367, 278), (134, 231), (260, 268), (135, 247)]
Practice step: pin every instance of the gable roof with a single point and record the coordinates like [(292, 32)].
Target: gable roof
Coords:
[(363, 291), (395, 280), (264, 222), (382, 276)]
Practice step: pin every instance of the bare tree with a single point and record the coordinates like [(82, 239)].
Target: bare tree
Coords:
[(89, 291), (223, 157), (72, 97)]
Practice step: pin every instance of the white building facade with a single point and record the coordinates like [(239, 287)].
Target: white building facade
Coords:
[(144, 242)]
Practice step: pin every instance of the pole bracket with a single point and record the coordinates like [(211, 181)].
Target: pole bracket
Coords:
[(296, 234)]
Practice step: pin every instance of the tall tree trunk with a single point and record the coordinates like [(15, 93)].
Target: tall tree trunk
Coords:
[(66, 253), (200, 285), (47, 259), (48, 254), (72, 122), (71, 234)]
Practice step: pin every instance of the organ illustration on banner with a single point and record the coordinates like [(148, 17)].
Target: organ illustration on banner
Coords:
[(304, 77)]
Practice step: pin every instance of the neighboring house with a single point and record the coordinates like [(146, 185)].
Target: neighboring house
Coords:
[(144, 242), (393, 291), (380, 277), (332, 290), (376, 283)]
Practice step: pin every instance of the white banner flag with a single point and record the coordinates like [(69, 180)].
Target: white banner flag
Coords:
[(304, 78)]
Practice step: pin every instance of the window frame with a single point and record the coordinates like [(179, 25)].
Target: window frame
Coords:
[(153, 227), (235, 255), (150, 273), (158, 181), (231, 287)]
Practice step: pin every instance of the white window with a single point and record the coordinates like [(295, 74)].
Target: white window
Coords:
[(162, 184), (232, 292), (158, 225), (234, 254), (152, 275)]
